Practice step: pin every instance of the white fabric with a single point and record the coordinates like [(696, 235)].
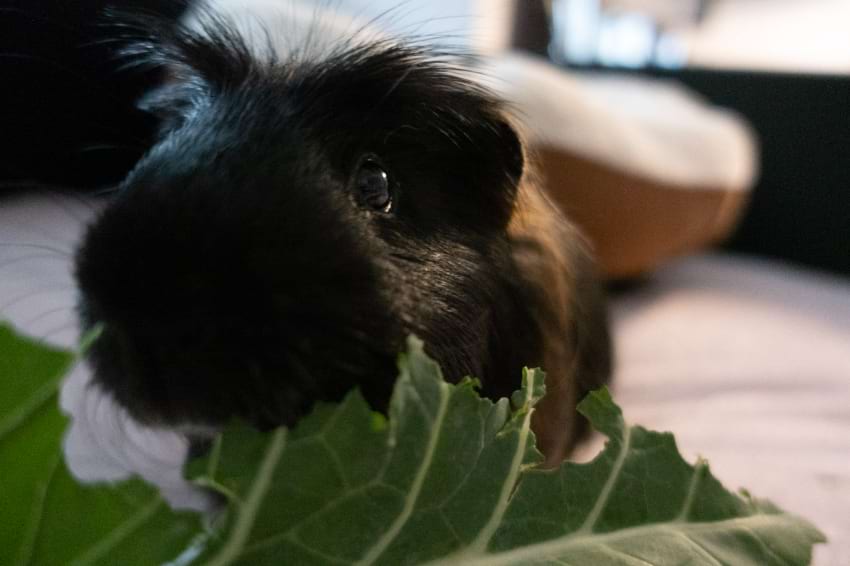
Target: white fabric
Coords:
[(653, 129)]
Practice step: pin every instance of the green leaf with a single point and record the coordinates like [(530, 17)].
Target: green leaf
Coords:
[(452, 480), (47, 517), (447, 479)]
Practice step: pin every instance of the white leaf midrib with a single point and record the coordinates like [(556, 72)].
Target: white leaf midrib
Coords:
[(479, 544), (373, 553), (118, 534), (30, 536), (37, 399), (604, 495), (250, 507), (557, 548)]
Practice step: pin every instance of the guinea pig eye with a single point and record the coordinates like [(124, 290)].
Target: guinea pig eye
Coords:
[(372, 184)]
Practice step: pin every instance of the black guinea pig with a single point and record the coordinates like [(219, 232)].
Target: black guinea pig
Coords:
[(301, 215)]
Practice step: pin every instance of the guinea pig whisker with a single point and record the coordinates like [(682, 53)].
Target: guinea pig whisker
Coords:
[(18, 299), (53, 256), (104, 192), (47, 313), (58, 330), (412, 34), (91, 148), (40, 234), (387, 16), (61, 198), (59, 251)]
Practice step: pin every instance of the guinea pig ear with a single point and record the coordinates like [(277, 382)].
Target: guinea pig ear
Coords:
[(206, 56), (512, 152), (171, 103), (501, 163)]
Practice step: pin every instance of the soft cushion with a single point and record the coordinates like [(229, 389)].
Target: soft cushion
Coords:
[(645, 167)]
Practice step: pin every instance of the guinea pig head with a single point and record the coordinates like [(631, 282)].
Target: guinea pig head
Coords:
[(296, 220)]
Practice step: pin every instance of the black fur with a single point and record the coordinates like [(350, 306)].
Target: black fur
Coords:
[(235, 272)]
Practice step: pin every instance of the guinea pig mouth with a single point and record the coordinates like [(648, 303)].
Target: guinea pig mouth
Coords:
[(210, 378), (171, 381)]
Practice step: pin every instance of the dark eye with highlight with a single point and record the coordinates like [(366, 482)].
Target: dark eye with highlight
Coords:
[(372, 184)]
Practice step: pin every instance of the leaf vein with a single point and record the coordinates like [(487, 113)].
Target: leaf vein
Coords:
[(560, 546), (38, 399), (30, 537), (479, 544), (248, 510), (629, 557), (608, 488), (700, 548), (767, 549), (118, 534), (416, 487)]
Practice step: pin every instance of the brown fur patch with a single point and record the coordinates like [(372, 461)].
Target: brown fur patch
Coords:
[(554, 260)]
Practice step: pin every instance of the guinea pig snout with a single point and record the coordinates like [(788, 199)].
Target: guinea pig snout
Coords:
[(195, 373), (197, 333)]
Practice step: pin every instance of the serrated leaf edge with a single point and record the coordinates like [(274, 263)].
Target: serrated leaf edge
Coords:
[(479, 544), (584, 535)]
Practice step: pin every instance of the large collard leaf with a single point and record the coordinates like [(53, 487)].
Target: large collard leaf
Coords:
[(345, 486), (46, 517), (451, 480)]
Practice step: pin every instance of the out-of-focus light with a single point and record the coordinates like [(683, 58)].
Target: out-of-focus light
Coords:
[(626, 40), (584, 32), (576, 30), (670, 52)]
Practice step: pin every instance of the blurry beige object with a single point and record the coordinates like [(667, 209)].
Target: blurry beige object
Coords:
[(799, 36), (646, 168)]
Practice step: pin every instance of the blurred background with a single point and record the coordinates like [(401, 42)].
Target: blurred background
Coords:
[(783, 65)]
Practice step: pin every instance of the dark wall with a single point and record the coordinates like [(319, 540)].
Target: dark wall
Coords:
[(67, 111), (801, 205), (800, 208)]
